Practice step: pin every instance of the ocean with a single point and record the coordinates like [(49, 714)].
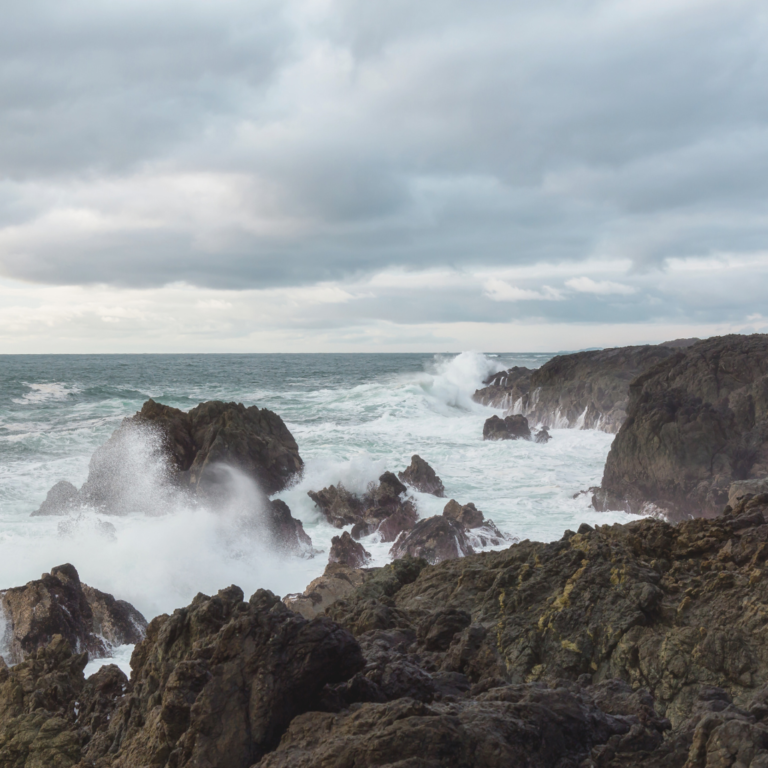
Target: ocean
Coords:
[(353, 416)]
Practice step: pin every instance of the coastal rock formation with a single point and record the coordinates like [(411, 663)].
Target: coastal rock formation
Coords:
[(697, 423), (513, 427), (337, 581), (206, 452), (639, 645), (542, 436), (480, 532), (346, 551), (381, 508), (435, 539), (422, 477), (59, 604), (584, 390)]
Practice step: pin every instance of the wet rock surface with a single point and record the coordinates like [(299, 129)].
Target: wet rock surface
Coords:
[(588, 390), (382, 508), (513, 427), (59, 604), (697, 422), (542, 436), (422, 477), (346, 551), (435, 539), (162, 450)]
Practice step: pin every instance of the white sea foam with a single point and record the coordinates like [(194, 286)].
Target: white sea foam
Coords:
[(43, 393), (121, 657)]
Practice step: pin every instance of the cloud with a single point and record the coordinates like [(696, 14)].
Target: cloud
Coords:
[(600, 287), (498, 290)]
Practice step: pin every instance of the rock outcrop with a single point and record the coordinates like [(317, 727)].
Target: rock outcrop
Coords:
[(382, 508), (59, 604), (434, 539), (584, 390), (634, 646), (697, 423), (542, 436), (480, 532), (513, 427), (161, 451), (422, 477), (346, 551), (337, 581)]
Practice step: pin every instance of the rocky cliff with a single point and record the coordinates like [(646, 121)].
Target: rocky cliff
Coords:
[(697, 422), (584, 390), (641, 645)]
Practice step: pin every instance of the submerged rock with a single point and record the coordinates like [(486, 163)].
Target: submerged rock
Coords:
[(60, 500), (59, 604), (697, 422), (422, 477), (509, 428), (542, 436)]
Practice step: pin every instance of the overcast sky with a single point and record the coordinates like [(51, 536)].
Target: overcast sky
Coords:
[(371, 175)]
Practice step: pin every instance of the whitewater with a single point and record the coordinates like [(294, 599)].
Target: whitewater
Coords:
[(353, 417)]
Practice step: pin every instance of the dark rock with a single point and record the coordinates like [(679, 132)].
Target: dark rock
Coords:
[(60, 500), (337, 581), (467, 516), (584, 390), (59, 604), (509, 428), (422, 477), (218, 682), (287, 532), (434, 539), (345, 550), (542, 436), (380, 509), (697, 422)]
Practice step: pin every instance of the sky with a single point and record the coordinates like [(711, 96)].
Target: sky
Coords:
[(332, 175)]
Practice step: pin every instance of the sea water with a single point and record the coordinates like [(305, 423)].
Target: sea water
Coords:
[(353, 417)]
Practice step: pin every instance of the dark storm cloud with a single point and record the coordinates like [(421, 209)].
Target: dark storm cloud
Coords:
[(256, 144)]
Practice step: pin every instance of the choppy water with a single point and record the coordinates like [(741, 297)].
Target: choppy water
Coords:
[(353, 416)]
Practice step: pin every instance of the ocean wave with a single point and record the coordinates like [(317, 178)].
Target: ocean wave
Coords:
[(43, 393)]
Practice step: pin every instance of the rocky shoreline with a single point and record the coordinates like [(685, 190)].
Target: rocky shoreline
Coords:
[(642, 644)]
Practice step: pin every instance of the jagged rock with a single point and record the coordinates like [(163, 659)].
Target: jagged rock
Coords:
[(584, 390), (60, 500), (380, 509), (190, 450), (467, 516), (217, 683), (542, 436), (59, 604), (434, 539), (337, 581), (422, 477), (697, 422), (746, 489), (509, 428), (287, 532), (345, 550)]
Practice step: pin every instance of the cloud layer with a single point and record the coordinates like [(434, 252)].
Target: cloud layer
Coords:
[(554, 163)]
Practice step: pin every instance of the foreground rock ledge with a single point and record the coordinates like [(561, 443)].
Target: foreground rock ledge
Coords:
[(641, 645)]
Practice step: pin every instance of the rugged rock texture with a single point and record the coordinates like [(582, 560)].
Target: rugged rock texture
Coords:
[(337, 581), (422, 477), (480, 532), (542, 436), (585, 390), (697, 422), (59, 604), (161, 450), (381, 509), (513, 427), (345, 550), (434, 539)]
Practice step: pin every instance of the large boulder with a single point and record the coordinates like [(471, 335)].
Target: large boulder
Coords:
[(697, 423), (346, 551), (162, 446), (514, 427), (59, 604), (422, 477), (434, 539), (583, 390), (287, 532)]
